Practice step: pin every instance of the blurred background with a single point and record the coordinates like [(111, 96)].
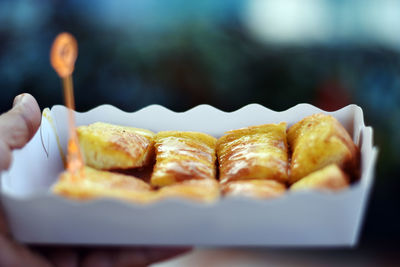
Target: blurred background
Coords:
[(226, 53)]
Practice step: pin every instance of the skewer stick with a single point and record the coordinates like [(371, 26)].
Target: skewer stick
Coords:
[(62, 57)]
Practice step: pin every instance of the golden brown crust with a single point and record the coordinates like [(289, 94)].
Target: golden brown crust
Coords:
[(183, 156), (95, 184), (330, 178), (196, 190), (256, 152), (253, 161), (254, 188), (105, 146), (317, 141)]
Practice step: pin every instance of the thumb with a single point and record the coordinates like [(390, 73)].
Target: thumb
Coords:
[(18, 125)]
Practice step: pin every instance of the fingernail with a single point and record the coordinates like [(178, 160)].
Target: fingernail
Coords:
[(26, 107), (18, 99)]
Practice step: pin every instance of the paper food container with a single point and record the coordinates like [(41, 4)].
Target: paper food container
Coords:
[(309, 218)]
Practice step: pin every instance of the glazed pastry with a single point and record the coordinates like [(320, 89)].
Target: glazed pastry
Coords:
[(183, 156), (95, 183), (206, 190), (330, 177), (256, 152), (105, 146), (254, 188), (317, 141)]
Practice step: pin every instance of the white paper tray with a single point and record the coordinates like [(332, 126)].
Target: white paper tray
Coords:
[(296, 219)]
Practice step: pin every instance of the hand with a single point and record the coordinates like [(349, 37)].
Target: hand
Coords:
[(17, 127)]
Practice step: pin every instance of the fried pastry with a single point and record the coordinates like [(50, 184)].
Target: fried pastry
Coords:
[(95, 183), (206, 190), (183, 156), (330, 177), (254, 188), (317, 141), (256, 152), (105, 146)]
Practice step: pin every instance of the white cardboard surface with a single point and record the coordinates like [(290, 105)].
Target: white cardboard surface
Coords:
[(296, 219)]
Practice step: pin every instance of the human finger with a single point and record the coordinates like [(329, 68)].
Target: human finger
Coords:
[(18, 125), (5, 156), (15, 254), (128, 257), (64, 257)]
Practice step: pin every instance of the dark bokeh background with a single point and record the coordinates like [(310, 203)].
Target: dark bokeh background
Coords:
[(226, 53)]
